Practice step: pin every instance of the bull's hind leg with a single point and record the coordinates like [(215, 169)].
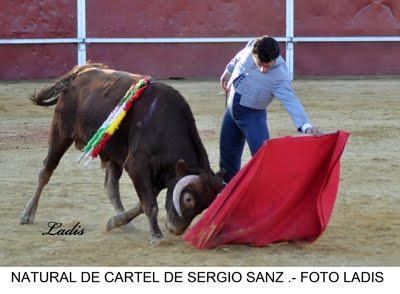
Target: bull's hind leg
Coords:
[(58, 146)]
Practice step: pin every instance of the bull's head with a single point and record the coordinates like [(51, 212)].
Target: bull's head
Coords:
[(191, 193)]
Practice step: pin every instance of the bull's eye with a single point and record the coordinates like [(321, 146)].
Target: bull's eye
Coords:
[(188, 199)]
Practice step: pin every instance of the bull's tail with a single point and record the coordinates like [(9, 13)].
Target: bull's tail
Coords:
[(49, 94)]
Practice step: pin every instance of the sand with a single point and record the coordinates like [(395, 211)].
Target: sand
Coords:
[(364, 229)]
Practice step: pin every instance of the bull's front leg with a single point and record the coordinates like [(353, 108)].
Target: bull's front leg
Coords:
[(113, 174), (124, 217), (139, 171)]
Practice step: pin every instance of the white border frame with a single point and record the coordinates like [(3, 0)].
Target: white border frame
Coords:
[(289, 39)]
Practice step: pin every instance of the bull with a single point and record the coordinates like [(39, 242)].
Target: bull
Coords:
[(157, 144)]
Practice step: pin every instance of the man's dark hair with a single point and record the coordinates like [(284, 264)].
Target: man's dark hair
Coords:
[(266, 49)]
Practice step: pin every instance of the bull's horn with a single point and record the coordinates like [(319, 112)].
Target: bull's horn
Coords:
[(182, 183)]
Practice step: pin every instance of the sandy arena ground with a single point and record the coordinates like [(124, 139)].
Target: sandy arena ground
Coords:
[(364, 229)]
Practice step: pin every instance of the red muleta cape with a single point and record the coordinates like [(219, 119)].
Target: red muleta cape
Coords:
[(286, 192)]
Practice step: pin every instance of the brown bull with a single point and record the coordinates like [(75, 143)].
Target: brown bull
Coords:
[(157, 144)]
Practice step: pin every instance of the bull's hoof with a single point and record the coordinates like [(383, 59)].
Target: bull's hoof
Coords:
[(158, 241), (26, 219), (111, 224), (28, 214)]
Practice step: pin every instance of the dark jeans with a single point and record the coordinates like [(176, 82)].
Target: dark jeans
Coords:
[(240, 124)]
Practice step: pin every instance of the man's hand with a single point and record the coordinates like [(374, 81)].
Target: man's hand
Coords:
[(314, 131), (224, 81)]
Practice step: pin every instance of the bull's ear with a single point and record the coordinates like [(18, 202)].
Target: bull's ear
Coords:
[(181, 168)]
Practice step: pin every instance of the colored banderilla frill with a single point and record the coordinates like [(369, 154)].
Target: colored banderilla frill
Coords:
[(112, 123)]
